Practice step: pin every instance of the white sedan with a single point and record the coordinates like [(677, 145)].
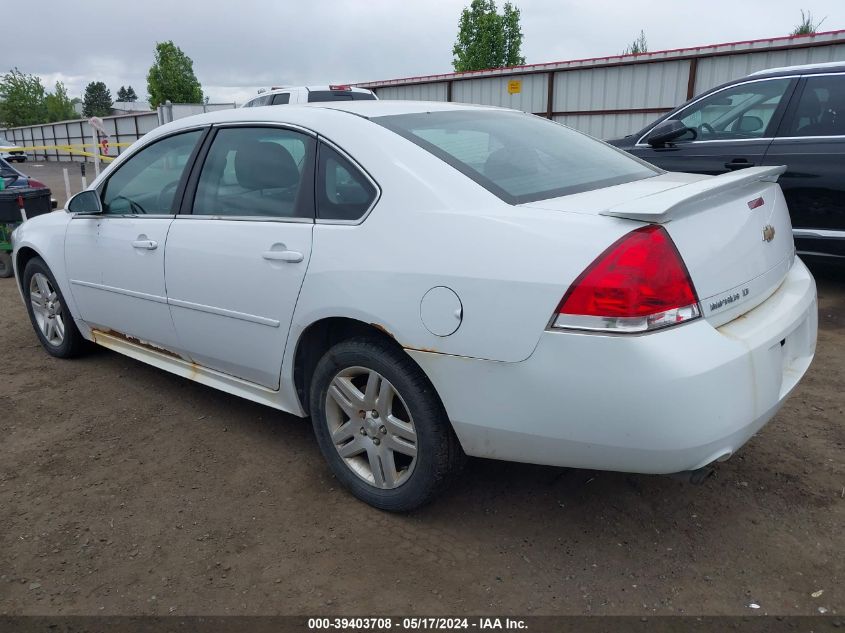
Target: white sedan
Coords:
[(428, 281)]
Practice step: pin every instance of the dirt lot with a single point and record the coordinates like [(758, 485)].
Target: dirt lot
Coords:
[(125, 490)]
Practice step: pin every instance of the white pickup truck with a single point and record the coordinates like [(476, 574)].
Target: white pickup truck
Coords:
[(283, 95)]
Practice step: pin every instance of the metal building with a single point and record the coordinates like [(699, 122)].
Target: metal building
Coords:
[(612, 96)]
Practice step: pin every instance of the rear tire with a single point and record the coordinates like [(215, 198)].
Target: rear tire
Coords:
[(6, 270), (381, 426), (48, 312)]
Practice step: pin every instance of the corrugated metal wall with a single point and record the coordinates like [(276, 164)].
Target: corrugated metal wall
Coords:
[(659, 85), (494, 91), (606, 125), (717, 70), (614, 96), (416, 92)]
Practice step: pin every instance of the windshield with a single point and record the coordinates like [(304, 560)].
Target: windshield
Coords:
[(518, 157)]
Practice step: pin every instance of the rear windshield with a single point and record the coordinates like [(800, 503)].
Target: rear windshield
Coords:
[(518, 157), (339, 95)]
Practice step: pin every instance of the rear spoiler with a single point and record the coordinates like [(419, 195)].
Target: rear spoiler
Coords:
[(662, 207)]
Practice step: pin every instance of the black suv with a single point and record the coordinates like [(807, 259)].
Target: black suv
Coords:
[(784, 116)]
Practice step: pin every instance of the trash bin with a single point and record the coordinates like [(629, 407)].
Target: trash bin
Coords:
[(36, 201)]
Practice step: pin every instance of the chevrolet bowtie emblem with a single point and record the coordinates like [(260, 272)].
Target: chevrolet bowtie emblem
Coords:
[(768, 233)]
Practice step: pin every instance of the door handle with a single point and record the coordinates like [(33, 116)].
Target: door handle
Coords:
[(148, 245), (738, 163), (292, 257)]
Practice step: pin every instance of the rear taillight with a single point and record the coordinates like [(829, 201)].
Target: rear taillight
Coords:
[(36, 183), (639, 283)]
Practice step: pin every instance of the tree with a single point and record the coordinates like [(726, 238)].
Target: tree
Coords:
[(807, 26), (172, 78), (22, 99), (487, 39), (638, 46), (59, 105), (97, 100), (126, 94)]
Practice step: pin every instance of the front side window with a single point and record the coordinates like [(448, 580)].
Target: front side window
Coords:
[(257, 172), (343, 192), (821, 109), (518, 157), (281, 99), (739, 112), (146, 183)]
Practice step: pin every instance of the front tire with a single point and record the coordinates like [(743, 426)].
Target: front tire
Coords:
[(6, 270), (381, 426), (48, 311)]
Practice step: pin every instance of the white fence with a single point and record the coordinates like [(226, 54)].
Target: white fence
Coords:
[(612, 96), (123, 130)]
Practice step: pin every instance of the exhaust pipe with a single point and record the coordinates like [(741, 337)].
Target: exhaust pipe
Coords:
[(695, 477)]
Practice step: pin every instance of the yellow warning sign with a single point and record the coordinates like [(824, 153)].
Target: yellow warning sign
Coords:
[(514, 87)]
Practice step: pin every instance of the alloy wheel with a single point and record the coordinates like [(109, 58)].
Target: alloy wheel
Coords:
[(371, 427), (47, 309)]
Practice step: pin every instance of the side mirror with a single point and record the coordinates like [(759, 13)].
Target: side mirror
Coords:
[(668, 131), (750, 123), (85, 203)]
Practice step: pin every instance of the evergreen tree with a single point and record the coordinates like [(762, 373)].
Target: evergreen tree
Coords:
[(97, 100)]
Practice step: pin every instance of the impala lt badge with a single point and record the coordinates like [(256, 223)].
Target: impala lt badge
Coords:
[(768, 233)]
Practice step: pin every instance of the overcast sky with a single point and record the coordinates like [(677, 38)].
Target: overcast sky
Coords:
[(241, 45)]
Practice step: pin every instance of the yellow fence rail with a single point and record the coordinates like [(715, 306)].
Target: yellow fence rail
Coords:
[(77, 149)]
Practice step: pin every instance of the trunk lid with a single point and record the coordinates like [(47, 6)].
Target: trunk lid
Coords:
[(733, 231)]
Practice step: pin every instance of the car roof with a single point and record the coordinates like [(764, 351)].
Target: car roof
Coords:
[(366, 109), (803, 69), (370, 109)]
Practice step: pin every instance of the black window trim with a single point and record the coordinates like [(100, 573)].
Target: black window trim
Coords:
[(774, 123), (361, 169), (187, 203), (178, 195)]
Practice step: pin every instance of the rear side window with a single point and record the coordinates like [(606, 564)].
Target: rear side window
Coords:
[(281, 99), (821, 109), (339, 95), (257, 172), (343, 192), (518, 157)]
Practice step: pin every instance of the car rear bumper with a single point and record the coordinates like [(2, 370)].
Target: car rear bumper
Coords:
[(659, 403)]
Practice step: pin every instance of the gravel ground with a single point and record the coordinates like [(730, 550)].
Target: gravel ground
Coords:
[(126, 490)]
